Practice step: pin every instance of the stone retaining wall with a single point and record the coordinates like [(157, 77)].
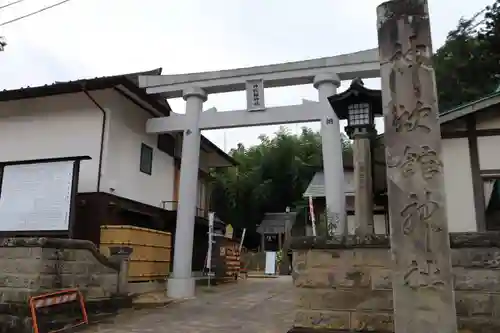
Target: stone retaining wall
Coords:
[(346, 284), (34, 266)]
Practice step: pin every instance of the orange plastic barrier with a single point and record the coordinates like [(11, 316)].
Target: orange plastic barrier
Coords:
[(47, 301)]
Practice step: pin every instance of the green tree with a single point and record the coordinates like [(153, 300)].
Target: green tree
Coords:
[(468, 64), (271, 176)]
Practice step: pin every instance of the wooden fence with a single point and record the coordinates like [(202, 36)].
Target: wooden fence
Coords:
[(152, 250)]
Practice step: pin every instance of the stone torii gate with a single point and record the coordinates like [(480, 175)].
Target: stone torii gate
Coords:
[(324, 73)]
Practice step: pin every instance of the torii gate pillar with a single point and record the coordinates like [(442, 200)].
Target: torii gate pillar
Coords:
[(182, 284), (333, 167)]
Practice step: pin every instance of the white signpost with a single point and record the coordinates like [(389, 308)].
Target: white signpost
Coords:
[(211, 218), (242, 239), (311, 214), (324, 73), (270, 268)]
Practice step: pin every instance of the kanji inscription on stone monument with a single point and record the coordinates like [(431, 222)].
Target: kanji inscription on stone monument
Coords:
[(419, 212), (424, 158), (420, 246)]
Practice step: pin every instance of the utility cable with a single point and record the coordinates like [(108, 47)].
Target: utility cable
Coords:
[(10, 4), (34, 13)]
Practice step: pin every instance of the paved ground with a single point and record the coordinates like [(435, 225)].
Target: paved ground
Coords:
[(251, 306)]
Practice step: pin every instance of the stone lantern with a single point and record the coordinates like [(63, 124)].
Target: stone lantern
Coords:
[(359, 105)]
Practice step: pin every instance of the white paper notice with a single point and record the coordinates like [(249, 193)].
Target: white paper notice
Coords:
[(36, 197)]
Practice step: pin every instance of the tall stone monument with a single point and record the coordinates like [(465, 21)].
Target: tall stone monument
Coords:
[(420, 245)]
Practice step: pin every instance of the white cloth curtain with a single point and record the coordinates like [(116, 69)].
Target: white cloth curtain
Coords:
[(488, 190)]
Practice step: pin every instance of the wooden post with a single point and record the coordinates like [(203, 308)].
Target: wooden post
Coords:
[(422, 281)]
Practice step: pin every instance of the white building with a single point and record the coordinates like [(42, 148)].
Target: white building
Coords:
[(316, 190), (471, 146), (132, 177), (471, 158)]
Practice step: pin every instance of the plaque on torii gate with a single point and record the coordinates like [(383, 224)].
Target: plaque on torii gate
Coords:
[(325, 74), (255, 95)]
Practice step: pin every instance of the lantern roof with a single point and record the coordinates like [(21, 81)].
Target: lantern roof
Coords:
[(356, 93)]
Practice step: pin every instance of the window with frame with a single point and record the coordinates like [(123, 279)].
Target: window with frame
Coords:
[(146, 162)]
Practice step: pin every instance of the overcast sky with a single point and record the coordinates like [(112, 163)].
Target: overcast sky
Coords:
[(88, 38)]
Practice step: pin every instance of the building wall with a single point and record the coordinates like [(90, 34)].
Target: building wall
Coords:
[(51, 127), (121, 172), (486, 122), (464, 174), (204, 160), (487, 147), (319, 211), (458, 182), (378, 221), (458, 185), (177, 180), (71, 125), (203, 196)]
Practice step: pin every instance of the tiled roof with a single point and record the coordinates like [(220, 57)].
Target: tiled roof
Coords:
[(316, 188), (471, 107), (129, 81), (276, 223)]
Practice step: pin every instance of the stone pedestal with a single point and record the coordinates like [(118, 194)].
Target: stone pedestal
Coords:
[(121, 255), (363, 214), (346, 285)]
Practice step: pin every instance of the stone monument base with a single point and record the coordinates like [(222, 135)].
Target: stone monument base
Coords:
[(344, 285)]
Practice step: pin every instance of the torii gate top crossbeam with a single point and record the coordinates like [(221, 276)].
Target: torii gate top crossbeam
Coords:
[(363, 64)]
